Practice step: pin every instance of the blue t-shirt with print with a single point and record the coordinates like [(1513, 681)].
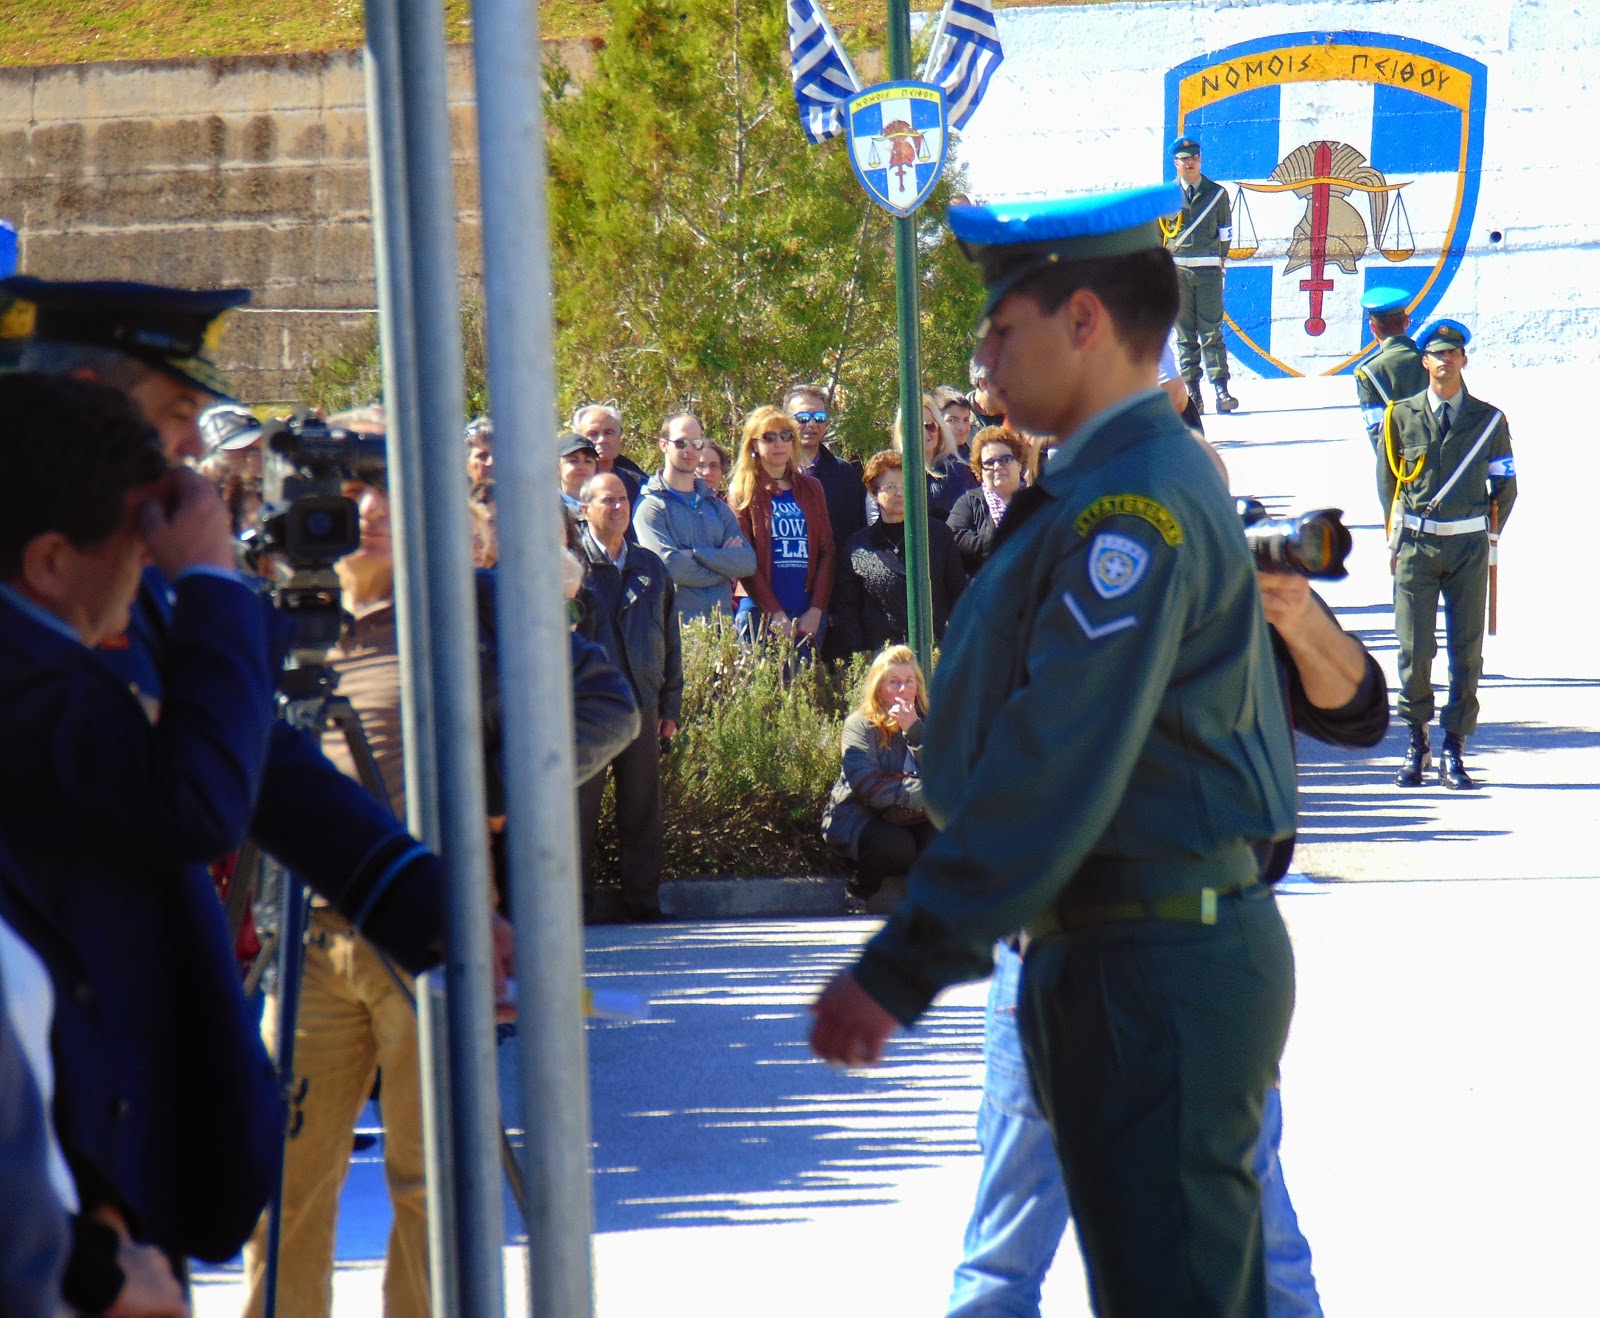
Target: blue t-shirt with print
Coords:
[(791, 554)]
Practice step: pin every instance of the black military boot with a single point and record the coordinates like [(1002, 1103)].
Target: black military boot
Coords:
[(1417, 758), (1452, 772), (1193, 386), (1226, 402)]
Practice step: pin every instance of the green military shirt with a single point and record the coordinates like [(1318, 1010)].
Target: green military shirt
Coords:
[(1420, 462), (1107, 690), (1394, 372), (1204, 227)]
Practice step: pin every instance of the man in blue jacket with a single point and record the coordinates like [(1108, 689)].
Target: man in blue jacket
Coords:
[(167, 1107)]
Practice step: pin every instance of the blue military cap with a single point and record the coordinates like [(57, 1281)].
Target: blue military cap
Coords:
[(1013, 240), (1443, 334), (176, 330), (1381, 301), (8, 249), (1185, 146)]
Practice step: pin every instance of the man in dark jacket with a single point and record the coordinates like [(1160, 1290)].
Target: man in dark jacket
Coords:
[(840, 479), (632, 612)]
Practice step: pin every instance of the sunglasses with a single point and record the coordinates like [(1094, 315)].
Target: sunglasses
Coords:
[(995, 464), (779, 437), (699, 446), (930, 427), (803, 417)]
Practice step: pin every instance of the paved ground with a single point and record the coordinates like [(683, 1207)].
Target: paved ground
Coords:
[(1439, 1084)]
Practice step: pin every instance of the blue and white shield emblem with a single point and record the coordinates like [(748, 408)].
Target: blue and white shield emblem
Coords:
[(1116, 564), (1352, 160), (896, 135)]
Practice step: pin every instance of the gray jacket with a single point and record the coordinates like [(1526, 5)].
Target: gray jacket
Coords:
[(688, 535), (873, 778)]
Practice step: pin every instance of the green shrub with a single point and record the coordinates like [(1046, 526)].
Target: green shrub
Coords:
[(749, 772)]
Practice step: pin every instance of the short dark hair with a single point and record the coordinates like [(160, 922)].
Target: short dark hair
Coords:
[(1390, 323), (1139, 292), (809, 390), (73, 450)]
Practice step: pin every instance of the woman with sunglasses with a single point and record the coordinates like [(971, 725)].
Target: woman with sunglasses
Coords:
[(783, 514), (999, 458), (948, 477)]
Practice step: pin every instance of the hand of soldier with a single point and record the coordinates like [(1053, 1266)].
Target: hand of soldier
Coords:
[(1394, 562), (185, 524), (850, 1027)]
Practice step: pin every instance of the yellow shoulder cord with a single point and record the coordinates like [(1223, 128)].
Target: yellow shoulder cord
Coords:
[(1397, 467)]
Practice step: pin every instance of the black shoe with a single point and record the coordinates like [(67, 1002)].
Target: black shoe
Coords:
[(1418, 758), (362, 1142), (1226, 402), (1452, 773), (1193, 386)]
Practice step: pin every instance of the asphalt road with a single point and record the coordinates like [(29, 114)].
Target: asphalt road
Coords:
[(1439, 1083)]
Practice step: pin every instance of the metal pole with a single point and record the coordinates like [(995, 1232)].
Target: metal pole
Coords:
[(534, 659), (391, 231), (919, 594), (478, 1282)]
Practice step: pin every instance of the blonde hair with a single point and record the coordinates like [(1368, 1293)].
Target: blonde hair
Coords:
[(871, 708), (947, 440), (747, 465)]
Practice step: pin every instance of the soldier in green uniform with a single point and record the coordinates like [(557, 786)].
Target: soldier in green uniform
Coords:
[(1199, 237), (1449, 481), (1393, 372), (1107, 755)]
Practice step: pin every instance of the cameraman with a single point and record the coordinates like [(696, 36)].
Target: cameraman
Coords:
[(152, 343), (1335, 692)]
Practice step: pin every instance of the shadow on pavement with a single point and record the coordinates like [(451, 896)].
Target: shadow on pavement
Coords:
[(713, 1111)]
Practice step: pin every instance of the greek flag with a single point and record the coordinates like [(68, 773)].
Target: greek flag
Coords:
[(823, 76), (972, 54)]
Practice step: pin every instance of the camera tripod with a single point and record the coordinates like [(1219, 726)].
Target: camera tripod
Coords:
[(308, 702)]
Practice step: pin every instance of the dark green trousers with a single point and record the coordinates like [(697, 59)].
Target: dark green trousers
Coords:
[(1457, 567), (1151, 1046), (1200, 323)]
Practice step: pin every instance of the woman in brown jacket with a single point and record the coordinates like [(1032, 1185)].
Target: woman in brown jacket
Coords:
[(783, 513)]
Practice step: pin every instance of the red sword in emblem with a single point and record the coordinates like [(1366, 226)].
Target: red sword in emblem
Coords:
[(1319, 283)]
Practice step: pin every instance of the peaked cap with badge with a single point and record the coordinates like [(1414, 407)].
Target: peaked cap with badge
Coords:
[(1106, 748), (175, 330)]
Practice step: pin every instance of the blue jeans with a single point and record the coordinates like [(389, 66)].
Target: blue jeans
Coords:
[(1021, 1209)]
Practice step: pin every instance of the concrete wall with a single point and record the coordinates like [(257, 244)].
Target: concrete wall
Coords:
[(248, 171), (1083, 100)]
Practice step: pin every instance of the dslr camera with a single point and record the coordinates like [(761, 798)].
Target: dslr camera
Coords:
[(308, 523), (1314, 544)]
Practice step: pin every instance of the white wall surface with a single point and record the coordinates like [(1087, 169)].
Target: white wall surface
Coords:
[(1080, 104)]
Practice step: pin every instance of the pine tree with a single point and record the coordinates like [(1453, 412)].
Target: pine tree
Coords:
[(705, 256)]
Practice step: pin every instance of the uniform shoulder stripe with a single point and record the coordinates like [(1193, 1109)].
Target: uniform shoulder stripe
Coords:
[(1129, 505)]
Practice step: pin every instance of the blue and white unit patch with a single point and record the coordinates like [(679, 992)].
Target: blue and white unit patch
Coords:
[(1500, 468), (1116, 564)]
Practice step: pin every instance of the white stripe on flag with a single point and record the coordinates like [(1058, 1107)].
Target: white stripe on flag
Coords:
[(973, 46)]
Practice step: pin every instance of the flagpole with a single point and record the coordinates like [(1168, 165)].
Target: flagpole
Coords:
[(919, 595)]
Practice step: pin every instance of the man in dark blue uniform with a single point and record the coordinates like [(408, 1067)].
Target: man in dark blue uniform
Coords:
[(1107, 755), (154, 345)]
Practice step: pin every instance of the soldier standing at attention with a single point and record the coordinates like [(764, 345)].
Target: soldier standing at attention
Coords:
[(1106, 756), (1199, 241), (1449, 482), (1393, 372)]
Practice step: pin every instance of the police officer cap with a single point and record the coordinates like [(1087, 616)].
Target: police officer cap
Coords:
[(1444, 334), (176, 330), (1382, 301), (1186, 146), (568, 444), (1012, 241)]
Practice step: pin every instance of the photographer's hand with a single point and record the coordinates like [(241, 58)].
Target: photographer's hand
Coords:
[(185, 525), (1331, 663)]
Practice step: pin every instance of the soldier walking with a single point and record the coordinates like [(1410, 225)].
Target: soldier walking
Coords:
[(1199, 243), (1449, 481), (1393, 372)]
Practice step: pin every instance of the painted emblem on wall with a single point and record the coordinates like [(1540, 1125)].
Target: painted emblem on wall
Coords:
[(1353, 160), (897, 138)]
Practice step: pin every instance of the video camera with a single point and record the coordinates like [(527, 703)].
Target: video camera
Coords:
[(308, 522), (1315, 544)]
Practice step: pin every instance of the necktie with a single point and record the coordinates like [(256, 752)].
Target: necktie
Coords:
[(1444, 419)]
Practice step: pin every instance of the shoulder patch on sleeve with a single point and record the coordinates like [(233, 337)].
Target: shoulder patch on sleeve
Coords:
[(1130, 505), (1116, 564)]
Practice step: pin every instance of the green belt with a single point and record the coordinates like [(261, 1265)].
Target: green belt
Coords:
[(1181, 908)]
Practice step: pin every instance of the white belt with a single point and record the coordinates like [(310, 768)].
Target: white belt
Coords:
[(1466, 526), (1193, 261)]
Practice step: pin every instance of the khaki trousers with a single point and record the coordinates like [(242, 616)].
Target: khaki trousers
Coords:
[(354, 1021)]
